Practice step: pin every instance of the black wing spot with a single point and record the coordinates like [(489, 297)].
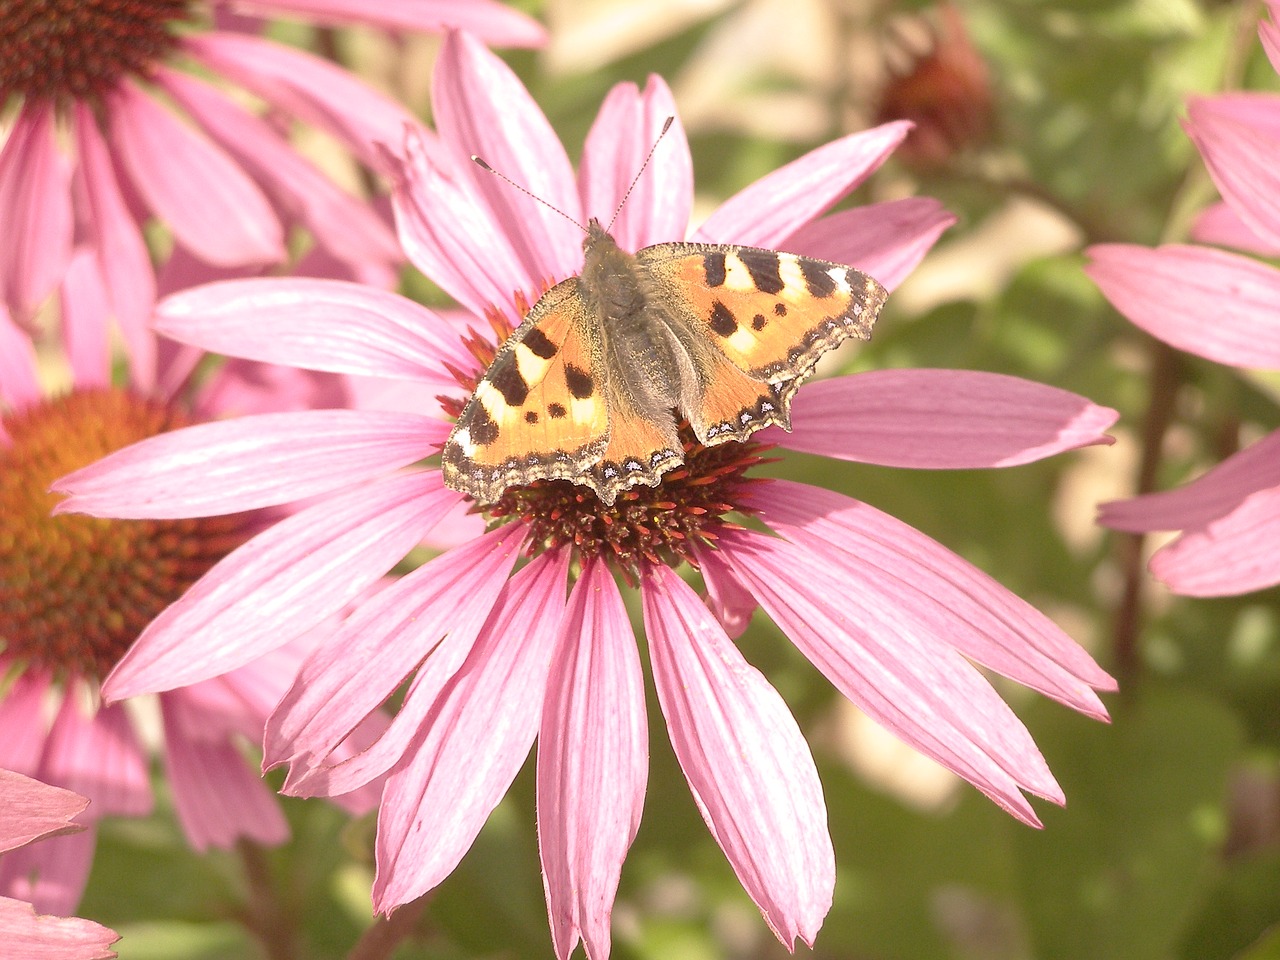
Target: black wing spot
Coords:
[(482, 428), (556, 410), (579, 381), (780, 309), (713, 266), (723, 321), (540, 344), (509, 382), (817, 281), (765, 270), (759, 322), (531, 417)]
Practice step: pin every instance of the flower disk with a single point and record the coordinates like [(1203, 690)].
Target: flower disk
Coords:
[(78, 49), (75, 591)]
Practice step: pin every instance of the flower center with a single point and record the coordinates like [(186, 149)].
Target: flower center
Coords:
[(76, 591), (81, 48)]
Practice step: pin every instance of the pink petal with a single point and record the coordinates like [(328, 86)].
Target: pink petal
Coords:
[(218, 799), (474, 741), (1238, 134), (383, 640), (883, 240), (200, 193), (84, 322), (233, 465), (745, 758), (100, 757), (770, 210), (339, 221), (728, 599), (22, 718), (124, 261), (35, 204), (922, 691), (240, 387), (30, 810), (1209, 497), (51, 875), (593, 755), (30, 937), (494, 23), (1228, 556), (319, 324), (940, 419), (282, 583), (1269, 33), (1165, 292), (1222, 226), (935, 592), (624, 132), (311, 89), (481, 107), (18, 384)]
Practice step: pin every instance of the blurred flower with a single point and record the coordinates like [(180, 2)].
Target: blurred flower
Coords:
[(944, 91), (227, 184), (75, 592), (30, 810), (1225, 307), (891, 617)]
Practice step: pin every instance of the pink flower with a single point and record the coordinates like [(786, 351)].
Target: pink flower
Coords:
[(496, 659), (1225, 307), (30, 810), (75, 592), (224, 180)]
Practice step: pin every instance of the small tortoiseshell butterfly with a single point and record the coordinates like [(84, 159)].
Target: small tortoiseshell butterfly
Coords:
[(590, 387)]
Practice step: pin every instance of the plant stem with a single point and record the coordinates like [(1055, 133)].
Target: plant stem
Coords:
[(381, 939)]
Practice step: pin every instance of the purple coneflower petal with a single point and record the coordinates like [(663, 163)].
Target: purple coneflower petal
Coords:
[(1221, 226), (51, 876), (23, 720), (770, 210), (481, 107), (620, 138), (1164, 291), (84, 322), (940, 419), (317, 324), (475, 739), (31, 937), (495, 23), (922, 691), (1231, 555), (18, 383), (1269, 34), (1213, 495), (436, 610), (883, 240), (35, 194), (1238, 134), (317, 561), (593, 756), (100, 757), (32, 810), (728, 598), (259, 461), (201, 194), (746, 761), (934, 592)]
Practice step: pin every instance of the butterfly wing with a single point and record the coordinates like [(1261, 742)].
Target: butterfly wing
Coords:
[(540, 412), (756, 323)]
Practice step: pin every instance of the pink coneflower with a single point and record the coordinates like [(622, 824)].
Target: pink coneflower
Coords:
[(496, 659), (76, 591), (98, 78), (30, 810), (1225, 307)]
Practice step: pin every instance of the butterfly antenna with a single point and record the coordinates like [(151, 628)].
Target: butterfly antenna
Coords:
[(657, 140), (529, 193)]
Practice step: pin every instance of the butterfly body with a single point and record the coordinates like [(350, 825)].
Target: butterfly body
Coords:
[(590, 386)]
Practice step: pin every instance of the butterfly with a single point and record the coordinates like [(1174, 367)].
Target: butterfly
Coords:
[(592, 384)]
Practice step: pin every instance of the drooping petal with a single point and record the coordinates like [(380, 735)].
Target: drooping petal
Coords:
[(378, 645), (234, 465), (23, 719), (318, 324), (35, 203), (1231, 555), (98, 755), (1269, 33), (201, 194), (30, 810), (1165, 292), (1238, 134), (18, 384), (593, 755), (495, 23), (883, 240), (28, 936), (313, 90), (935, 592), (315, 562), (923, 692), (624, 132), (474, 740), (84, 322), (1212, 495), (746, 761), (50, 875), (217, 797), (768, 211), (1221, 226), (240, 387), (481, 107), (940, 419), (728, 598)]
